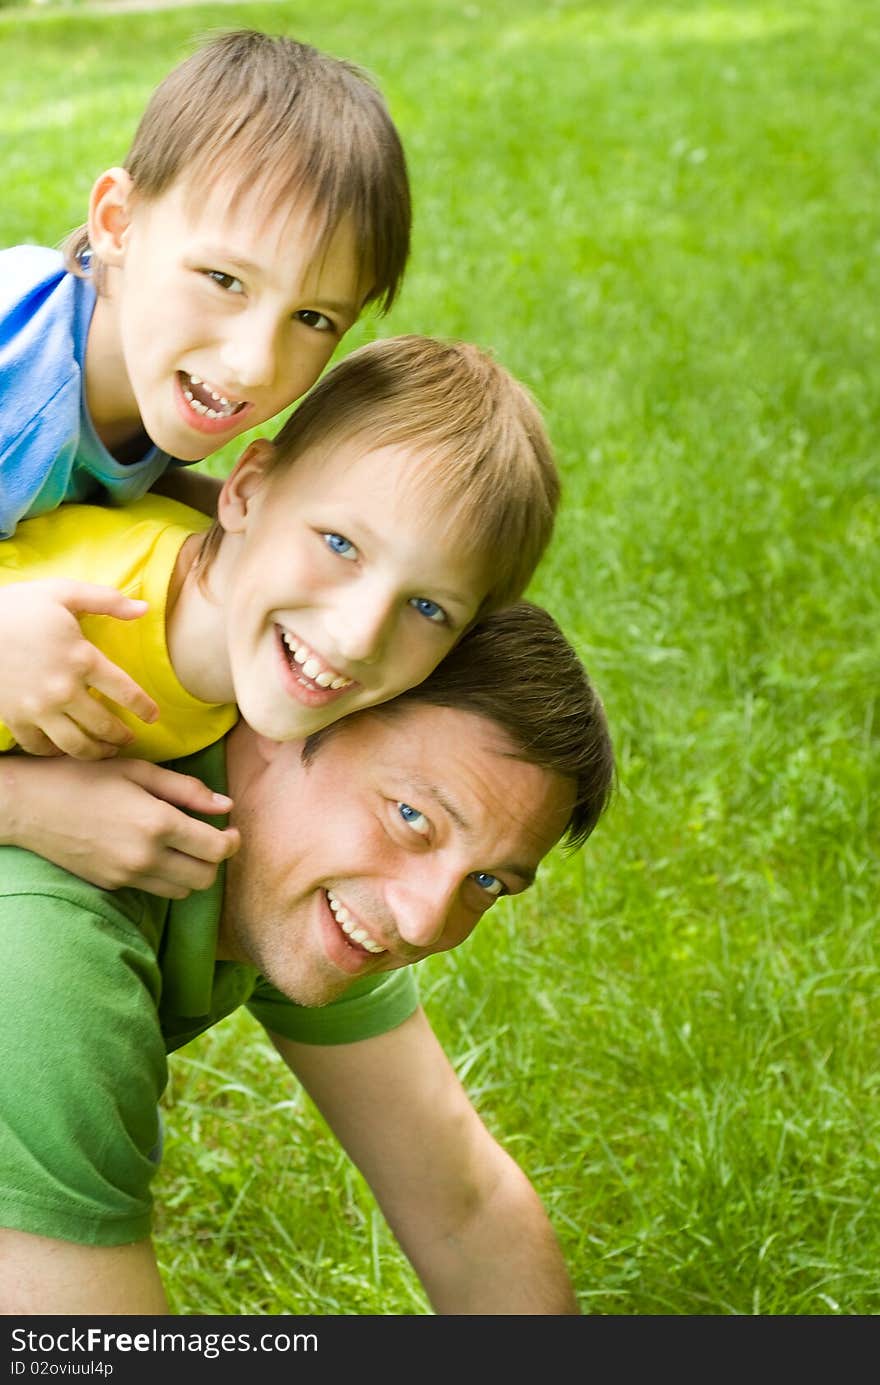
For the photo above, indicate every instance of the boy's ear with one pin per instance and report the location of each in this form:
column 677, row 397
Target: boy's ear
column 243, row 483
column 110, row 214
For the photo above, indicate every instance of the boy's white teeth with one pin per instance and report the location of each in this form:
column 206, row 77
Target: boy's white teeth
column 221, row 408
column 350, row 928
column 312, row 667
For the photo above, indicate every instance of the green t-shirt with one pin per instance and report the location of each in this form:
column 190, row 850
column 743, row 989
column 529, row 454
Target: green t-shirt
column 96, row 988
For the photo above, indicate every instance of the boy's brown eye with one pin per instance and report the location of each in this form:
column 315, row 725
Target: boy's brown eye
column 224, row 281
column 312, row 318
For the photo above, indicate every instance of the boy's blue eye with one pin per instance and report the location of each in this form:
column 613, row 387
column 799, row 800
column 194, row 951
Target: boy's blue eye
column 429, row 609
column 490, row 883
column 312, row 318
column 339, row 544
column 225, row 281
column 413, row 818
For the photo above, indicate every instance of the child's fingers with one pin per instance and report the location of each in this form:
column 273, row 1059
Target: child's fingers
column 85, row 728
column 183, row 791
column 69, row 737
column 33, row 741
column 177, row 873
column 108, row 678
column 90, row 598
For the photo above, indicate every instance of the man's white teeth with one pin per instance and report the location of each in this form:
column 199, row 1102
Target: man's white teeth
column 225, row 407
column 350, row 928
column 324, row 677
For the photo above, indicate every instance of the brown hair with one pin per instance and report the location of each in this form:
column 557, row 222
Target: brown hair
column 517, row 670
column 293, row 125
column 485, row 464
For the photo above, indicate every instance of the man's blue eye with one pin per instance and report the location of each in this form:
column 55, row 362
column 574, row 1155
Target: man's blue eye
column 490, row 883
column 337, row 543
column 429, row 609
column 413, row 818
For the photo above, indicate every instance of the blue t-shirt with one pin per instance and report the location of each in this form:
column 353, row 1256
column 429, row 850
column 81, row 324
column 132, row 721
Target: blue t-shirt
column 49, row 450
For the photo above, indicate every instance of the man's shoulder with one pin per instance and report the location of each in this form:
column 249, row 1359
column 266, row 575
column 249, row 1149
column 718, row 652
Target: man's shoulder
column 67, row 915
column 209, row 765
column 84, row 1063
column 368, row 1008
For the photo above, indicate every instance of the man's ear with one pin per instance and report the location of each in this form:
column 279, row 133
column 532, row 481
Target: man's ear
column 243, row 485
column 110, row 215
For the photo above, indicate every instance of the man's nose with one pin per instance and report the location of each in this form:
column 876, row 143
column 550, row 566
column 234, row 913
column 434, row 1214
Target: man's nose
column 423, row 904
column 361, row 621
column 250, row 350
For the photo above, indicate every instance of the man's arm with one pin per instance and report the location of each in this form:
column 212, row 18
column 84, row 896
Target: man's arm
column 41, row 1276
column 465, row 1214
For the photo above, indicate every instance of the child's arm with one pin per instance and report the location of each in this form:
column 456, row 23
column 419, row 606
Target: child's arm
column 115, row 823
column 48, row 667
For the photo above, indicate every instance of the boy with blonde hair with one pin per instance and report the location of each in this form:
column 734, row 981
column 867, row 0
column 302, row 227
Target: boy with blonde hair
column 410, row 494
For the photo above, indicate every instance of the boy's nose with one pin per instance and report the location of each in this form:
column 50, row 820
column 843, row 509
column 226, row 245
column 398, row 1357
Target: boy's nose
column 362, row 622
column 248, row 354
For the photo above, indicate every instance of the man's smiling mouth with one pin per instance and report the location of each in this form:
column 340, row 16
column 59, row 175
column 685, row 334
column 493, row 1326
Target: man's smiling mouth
column 354, row 932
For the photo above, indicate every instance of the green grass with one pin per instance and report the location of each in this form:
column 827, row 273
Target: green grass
column 663, row 217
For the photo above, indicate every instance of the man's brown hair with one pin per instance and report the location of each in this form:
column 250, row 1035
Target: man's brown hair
column 288, row 125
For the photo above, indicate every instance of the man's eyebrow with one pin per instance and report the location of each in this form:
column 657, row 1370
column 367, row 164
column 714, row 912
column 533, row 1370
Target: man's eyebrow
column 431, row 791
column 527, row 874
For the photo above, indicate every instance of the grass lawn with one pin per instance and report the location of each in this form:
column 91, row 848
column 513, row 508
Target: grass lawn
column 664, row 218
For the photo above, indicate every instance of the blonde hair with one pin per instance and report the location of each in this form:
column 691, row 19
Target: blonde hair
column 292, row 125
column 478, row 438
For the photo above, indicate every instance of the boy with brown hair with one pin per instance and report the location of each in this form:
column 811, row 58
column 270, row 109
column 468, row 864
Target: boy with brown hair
column 263, row 203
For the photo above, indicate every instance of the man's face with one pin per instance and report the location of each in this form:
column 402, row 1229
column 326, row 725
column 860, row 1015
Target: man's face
column 216, row 318
column 389, row 846
column 342, row 583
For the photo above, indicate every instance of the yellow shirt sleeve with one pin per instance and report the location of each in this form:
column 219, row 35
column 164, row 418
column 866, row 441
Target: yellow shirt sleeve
column 133, row 548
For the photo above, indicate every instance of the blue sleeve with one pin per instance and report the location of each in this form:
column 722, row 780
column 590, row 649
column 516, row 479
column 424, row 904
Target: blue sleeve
column 40, row 385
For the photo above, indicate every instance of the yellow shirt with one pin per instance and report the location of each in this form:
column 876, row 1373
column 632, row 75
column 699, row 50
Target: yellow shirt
column 133, row 548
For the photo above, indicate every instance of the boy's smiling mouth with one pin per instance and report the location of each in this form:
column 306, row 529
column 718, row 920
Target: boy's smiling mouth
column 310, row 670
column 208, row 408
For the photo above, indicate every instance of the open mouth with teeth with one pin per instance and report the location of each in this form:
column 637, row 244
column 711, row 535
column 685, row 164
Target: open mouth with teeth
column 310, row 670
column 355, row 934
column 207, row 402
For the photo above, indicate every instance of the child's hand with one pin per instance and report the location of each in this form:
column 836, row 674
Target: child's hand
column 48, row 667
column 126, row 826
